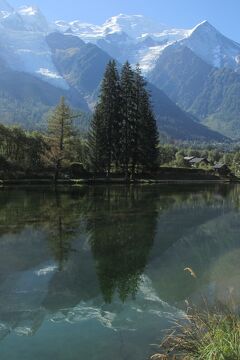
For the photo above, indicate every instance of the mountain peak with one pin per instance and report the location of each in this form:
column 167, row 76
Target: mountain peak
column 33, row 18
column 212, row 46
column 126, row 16
column 29, row 10
column 204, row 25
column 133, row 25
column 122, row 16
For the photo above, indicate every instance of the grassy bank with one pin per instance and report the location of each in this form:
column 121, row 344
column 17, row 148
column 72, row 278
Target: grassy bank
column 209, row 335
column 162, row 175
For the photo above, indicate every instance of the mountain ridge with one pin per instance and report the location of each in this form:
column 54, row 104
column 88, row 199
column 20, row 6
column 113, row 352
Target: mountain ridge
column 163, row 36
column 76, row 65
column 71, row 55
column 209, row 93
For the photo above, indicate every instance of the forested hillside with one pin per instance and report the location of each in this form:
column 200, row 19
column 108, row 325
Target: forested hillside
column 212, row 95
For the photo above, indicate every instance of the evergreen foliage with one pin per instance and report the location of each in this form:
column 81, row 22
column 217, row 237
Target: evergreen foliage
column 123, row 130
column 104, row 134
column 147, row 136
column 129, row 117
column 96, row 142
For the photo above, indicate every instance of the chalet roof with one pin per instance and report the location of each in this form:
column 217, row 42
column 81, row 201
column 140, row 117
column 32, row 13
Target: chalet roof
column 188, row 158
column 219, row 166
column 197, row 160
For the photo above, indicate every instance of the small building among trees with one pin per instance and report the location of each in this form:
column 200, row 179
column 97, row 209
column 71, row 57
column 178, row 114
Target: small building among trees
column 196, row 161
column 222, row 169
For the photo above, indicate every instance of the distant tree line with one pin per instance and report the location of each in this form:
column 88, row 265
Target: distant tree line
column 63, row 145
column 19, row 148
column 173, row 155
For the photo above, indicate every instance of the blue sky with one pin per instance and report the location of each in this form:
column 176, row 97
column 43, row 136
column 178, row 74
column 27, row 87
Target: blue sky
column 223, row 14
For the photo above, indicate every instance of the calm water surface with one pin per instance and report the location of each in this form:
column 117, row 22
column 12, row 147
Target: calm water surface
column 97, row 273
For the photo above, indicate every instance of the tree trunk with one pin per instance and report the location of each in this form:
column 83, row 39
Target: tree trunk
column 57, row 171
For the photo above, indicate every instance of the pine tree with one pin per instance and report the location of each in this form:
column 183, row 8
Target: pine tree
column 140, row 84
column 111, row 105
column 123, row 128
column 108, row 113
column 140, row 134
column 149, row 136
column 59, row 131
column 96, row 142
column 128, row 114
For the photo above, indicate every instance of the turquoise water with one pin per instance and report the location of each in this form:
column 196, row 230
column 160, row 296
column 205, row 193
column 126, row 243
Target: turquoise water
column 97, row 273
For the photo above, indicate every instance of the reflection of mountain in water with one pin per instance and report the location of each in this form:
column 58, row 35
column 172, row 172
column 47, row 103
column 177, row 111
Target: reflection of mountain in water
column 110, row 254
column 209, row 249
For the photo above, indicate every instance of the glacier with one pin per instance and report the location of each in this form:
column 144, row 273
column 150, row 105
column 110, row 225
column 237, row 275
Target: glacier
column 135, row 38
column 23, row 45
column 124, row 37
column 140, row 40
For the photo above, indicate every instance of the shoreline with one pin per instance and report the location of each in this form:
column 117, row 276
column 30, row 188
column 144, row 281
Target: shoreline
column 111, row 181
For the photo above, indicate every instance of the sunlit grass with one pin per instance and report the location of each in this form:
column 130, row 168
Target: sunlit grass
column 204, row 336
column 212, row 334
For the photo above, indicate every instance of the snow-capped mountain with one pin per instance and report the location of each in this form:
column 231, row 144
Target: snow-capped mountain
column 213, row 47
column 127, row 37
column 9, row 18
column 23, row 44
column 33, row 18
column 25, row 18
column 133, row 25
column 140, row 40
column 75, row 60
column 28, row 51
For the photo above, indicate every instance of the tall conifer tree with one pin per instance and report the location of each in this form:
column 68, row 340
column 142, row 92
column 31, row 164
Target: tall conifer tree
column 109, row 111
column 128, row 115
column 147, row 135
column 149, row 138
column 123, row 129
column 96, row 142
column 138, row 123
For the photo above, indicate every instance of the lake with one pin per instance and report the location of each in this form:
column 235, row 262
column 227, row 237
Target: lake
column 97, row 273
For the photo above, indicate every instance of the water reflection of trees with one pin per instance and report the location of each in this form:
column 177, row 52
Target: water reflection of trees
column 102, row 239
column 122, row 226
column 63, row 226
column 120, row 222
